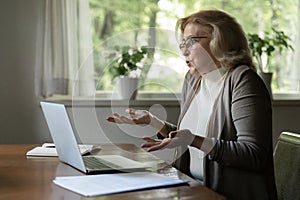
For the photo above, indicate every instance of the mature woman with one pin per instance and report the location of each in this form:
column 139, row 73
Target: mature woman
column 224, row 132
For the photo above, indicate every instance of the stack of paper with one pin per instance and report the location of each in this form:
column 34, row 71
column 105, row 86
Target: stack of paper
column 49, row 150
column 95, row 185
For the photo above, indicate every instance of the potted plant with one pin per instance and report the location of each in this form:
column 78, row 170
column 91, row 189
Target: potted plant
column 126, row 68
column 264, row 47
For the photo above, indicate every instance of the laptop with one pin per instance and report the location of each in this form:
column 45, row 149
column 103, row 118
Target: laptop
column 68, row 150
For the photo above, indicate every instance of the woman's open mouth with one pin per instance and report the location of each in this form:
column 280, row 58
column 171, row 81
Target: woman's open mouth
column 188, row 63
column 192, row 68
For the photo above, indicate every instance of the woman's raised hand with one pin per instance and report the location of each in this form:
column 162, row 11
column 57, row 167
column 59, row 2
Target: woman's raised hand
column 141, row 117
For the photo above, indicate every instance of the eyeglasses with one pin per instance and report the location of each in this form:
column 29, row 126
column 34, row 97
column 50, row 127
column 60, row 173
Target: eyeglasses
column 189, row 42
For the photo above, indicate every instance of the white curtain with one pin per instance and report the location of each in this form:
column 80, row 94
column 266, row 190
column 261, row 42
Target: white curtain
column 67, row 61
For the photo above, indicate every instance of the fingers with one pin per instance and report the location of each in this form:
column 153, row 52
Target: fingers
column 162, row 145
column 135, row 117
column 155, row 144
column 114, row 119
column 181, row 137
column 172, row 134
column 120, row 119
column 149, row 139
column 110, row 119
column 135, row 113
column 138, row 116
column 130, row 111
column 150, row 142
column 117, row 118
column 140, row 121
column 124, row 119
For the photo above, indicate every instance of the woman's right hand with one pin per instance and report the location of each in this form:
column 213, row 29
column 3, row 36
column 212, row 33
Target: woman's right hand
column 141, row 117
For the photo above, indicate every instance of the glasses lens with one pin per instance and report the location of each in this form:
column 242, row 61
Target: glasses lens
column 181, row 46
column 188, row 43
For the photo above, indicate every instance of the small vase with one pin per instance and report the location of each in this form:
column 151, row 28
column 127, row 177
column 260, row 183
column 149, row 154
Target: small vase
column 267, row 79
column 126, row 87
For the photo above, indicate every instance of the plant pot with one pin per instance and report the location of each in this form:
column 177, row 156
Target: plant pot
column 267, row 79
column 126, row 88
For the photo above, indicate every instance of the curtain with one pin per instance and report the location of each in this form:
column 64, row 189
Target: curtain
column 66, row 65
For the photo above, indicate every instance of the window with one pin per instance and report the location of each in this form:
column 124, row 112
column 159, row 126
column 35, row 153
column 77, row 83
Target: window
column 127, row 22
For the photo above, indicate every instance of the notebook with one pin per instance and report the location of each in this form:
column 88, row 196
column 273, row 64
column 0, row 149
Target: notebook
column 49, row 150
column 68, row 151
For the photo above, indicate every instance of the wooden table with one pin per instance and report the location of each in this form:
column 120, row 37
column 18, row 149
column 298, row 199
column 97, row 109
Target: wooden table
column 31, row 178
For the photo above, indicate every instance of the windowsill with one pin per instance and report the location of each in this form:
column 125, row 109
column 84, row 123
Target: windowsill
column 286, row 96
column 104, row 99
column 286, row 99
column 149, row 99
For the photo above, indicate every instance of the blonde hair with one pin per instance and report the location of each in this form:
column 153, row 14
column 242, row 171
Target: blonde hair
column 228, row 43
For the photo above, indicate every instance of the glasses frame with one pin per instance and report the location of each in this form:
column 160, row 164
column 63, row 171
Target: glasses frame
column 189, row 42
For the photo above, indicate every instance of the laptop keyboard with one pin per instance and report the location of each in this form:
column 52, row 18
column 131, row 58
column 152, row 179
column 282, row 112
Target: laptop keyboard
column 97, row 163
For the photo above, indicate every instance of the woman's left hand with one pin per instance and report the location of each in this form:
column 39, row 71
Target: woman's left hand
column 176, row 138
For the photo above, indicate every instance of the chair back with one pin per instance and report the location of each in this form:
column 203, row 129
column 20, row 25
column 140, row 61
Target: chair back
column 287, row 166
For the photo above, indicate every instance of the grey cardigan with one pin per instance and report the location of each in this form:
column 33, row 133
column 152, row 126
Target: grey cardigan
column 240, row 166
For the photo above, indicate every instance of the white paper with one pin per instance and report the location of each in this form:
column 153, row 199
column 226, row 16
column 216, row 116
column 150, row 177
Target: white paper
column 49, row 150
column 42, row 151
column 96, row 185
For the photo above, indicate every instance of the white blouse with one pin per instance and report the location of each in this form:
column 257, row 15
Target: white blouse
column 197, row 116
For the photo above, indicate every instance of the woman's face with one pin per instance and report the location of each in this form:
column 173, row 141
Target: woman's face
column 195, row 48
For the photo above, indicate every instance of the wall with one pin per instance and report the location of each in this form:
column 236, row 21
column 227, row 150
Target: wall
column 19, row 113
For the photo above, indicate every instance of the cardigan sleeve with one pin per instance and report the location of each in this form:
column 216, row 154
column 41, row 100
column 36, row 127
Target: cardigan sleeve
column 170, row 127
column 247, row 142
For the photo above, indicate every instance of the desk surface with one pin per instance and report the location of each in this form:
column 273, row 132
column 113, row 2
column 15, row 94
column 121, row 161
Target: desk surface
column 31, row 178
